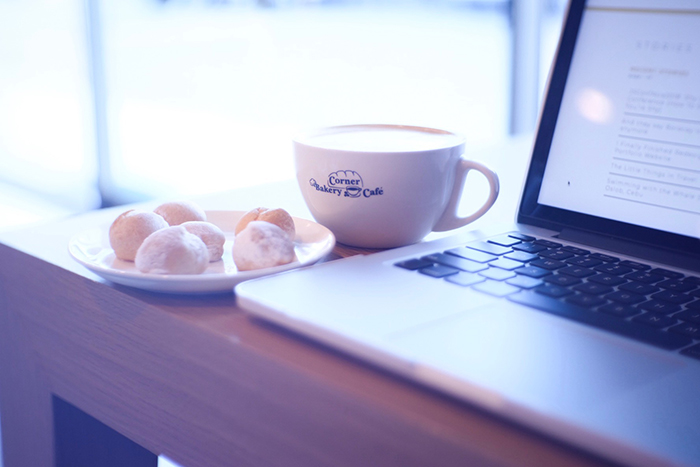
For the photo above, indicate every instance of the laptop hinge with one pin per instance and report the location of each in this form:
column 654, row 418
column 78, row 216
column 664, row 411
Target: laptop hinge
column 627, row 247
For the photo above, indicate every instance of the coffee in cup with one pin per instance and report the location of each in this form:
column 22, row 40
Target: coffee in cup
column 384, row 186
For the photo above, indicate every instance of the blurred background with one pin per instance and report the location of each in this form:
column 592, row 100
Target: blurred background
column 105, row 102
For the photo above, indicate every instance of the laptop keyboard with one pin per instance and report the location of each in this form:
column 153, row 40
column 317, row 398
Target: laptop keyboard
column 653, row 305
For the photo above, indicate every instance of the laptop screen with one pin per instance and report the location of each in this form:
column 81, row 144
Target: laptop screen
column 618, row 150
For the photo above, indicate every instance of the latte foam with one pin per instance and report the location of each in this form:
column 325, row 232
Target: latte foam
column 382, row 138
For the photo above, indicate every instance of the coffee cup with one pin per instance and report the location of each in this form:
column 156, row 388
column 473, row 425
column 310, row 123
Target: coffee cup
column 384, row 186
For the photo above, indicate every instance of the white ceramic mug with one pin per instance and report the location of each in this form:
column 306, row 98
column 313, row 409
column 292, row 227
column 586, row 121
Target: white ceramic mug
column 383, row 186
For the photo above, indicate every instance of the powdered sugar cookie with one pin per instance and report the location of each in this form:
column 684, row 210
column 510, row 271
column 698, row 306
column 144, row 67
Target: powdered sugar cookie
column 172, row 250
column 262, row 245
column 130, row 229
column 212, row 236
column 278, row 216
column 178, row 212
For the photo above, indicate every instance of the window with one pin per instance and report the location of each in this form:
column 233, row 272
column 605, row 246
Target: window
column 200, row 96
column 46, row 123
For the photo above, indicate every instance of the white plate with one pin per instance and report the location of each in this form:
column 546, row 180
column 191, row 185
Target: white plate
column 91, row 249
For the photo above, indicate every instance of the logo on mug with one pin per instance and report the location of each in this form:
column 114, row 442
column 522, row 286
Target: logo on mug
column 347, row 183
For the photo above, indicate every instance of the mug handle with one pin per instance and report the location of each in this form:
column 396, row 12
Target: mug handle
column 449, row 219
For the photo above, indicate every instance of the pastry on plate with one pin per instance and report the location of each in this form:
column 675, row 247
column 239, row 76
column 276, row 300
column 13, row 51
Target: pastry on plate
column 130, row 229
column 277, row 216
column 178, row 212
column 262, row 245
column 172, row 250
column 212, row 236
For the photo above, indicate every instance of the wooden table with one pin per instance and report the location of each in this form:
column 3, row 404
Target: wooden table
column 93, row 373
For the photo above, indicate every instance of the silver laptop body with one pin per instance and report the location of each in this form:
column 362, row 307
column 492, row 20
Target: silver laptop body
column 593, row 339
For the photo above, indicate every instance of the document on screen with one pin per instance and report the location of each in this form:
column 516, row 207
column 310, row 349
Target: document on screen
column 631, row 117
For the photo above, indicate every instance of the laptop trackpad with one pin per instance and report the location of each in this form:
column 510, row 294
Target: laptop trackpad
column 534, row 358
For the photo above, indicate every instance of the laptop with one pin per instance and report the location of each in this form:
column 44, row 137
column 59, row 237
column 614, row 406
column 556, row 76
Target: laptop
column 582, row 319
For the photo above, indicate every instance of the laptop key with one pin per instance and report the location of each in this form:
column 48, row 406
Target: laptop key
column 672, row 297
column 657, row 306
column 522, row 237
column 487, row 247
column 644, row 276
column 551, row 290
column 639, row 288
column 692, row 316
column 556, row 254
column 655, row 320
column 676, row 285
column 533, row 271
column 584, row 262
column 550, row 264
column 576, row 271
column 455, row 262
column 524, row 282
column 627, row 298
column 562, row 280
column 496, row 288
column 548, row 243
column 666, row 273
column 438, row 271
column 465, row 279
column 593, row 288
column 692, row 280
column 635, row 265
column 689, row 329
column 614, row 269
column 468, row 253
column 604, row 258
column 521, row 256
column 576, row 251
column 619, row 309
column 505, row 263
column 607, row 279
column 414, row 264
column 504, row 240
column 497, row 274
column 529, row 247
column 602, row 321
column 585, row 300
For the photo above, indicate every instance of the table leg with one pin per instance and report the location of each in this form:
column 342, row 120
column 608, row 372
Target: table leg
column 25, row 398
column 84, row 441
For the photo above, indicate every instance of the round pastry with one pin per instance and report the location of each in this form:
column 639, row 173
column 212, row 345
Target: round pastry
column 212, row 236
column 172, row 250
column 278, row 216
column 177, row 212
column 130, row 229
column 262, row 245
